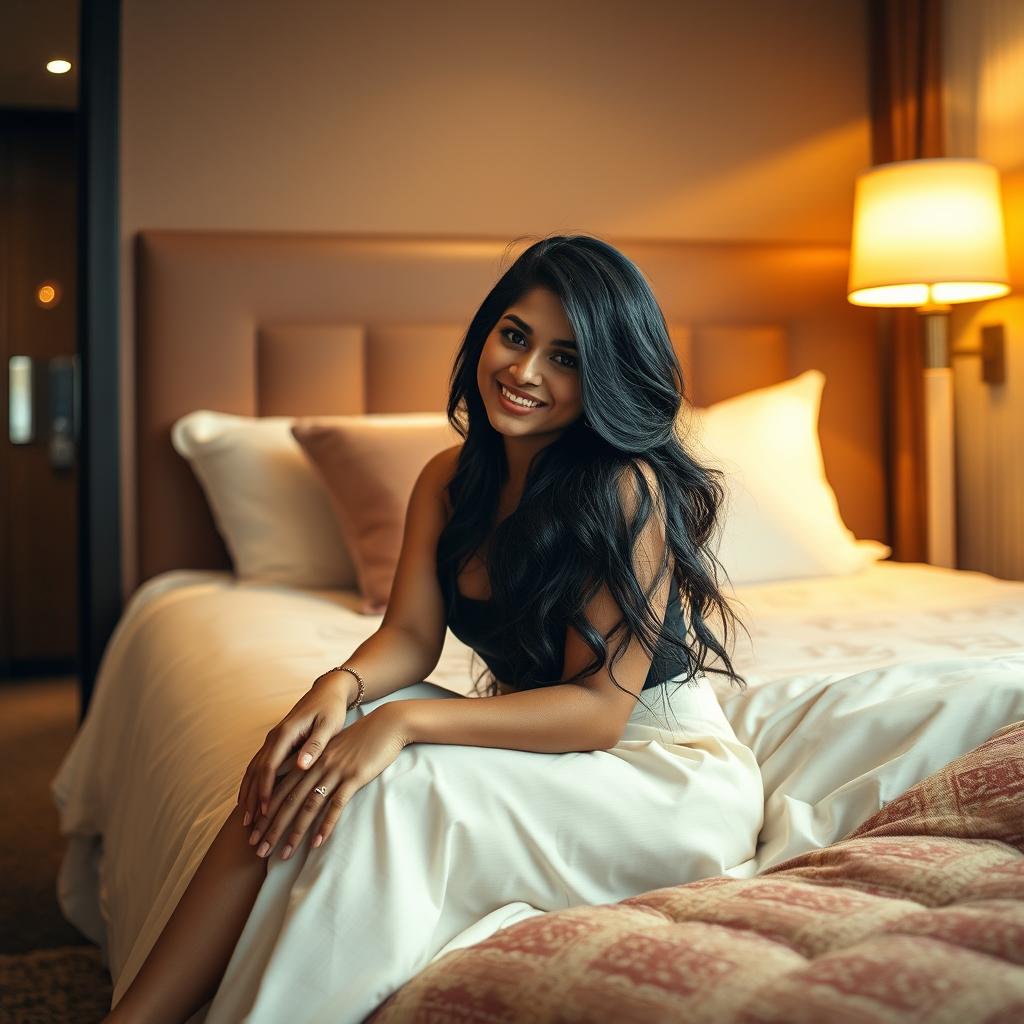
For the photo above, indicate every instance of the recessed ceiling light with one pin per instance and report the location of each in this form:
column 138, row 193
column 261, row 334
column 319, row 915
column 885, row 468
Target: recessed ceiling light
column 58, row 67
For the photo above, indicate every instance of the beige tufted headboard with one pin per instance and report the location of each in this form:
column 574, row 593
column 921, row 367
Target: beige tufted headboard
column 288, row 324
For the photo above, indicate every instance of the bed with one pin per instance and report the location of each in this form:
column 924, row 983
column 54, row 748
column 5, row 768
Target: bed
column 864, row 686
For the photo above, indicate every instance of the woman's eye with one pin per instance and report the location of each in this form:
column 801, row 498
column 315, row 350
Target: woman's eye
column 509, row 331
column 570, row 365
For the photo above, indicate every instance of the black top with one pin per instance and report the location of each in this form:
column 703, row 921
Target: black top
column 471, row 620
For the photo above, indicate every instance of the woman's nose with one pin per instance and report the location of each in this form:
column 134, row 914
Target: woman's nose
column 525, row 371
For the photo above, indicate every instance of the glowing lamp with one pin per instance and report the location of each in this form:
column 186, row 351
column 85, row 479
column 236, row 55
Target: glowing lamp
column 929, row 233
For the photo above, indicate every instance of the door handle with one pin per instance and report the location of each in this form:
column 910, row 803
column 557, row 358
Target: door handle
column 63, row 410
column 20, row 407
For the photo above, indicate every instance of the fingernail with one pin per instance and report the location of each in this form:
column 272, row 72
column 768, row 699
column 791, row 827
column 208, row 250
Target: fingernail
column 318, row 840
column 255, row 837
column 305, row 760
column 262, row 851
column 286, row 852
column 246, row 819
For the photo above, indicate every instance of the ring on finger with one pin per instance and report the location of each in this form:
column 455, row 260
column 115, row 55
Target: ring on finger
column 322, row 790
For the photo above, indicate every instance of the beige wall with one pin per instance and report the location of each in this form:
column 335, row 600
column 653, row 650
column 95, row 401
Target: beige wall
column 734, row 119
column 984, row 77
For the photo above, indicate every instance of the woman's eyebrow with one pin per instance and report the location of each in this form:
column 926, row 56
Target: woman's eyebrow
column 529, row 330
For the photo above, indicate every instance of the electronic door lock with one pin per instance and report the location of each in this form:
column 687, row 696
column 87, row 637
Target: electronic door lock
column 62, row 387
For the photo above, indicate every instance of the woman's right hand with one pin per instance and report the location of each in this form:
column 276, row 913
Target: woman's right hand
column 318, row 715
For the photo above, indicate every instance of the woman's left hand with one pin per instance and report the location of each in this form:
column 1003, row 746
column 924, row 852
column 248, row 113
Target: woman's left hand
column 350, row 759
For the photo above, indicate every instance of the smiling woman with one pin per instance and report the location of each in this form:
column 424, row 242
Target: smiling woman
column 570, row 381
column 561, row 540
column 526, row 374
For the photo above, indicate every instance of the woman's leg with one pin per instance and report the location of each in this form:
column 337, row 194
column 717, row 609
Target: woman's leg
column 184, row 967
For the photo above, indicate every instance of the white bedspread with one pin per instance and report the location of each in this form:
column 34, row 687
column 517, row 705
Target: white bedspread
column 860, row 686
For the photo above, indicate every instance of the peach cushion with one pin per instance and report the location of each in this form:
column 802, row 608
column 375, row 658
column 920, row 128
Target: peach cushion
column 369, row 465
column 916, row 915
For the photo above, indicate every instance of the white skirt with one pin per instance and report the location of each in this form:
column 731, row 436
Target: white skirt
column 451, row 843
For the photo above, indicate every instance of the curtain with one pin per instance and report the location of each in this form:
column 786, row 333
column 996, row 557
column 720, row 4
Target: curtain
column 905, row 89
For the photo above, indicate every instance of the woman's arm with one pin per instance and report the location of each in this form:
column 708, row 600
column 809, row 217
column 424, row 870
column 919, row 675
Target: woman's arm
column 552, row 719
column 588, row 715
column 388, row 660
column 404, row 650
column 408, row 643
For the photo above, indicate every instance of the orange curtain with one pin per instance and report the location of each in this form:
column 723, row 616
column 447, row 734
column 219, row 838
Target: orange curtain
column 905, row 75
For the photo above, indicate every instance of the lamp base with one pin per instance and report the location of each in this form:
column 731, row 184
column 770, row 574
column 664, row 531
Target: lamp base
column 939, row 437
column 941, row 483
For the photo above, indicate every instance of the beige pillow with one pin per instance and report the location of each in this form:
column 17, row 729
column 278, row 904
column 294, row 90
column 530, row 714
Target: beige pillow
column 369, row 465
column 782, row 519
column 266, row 500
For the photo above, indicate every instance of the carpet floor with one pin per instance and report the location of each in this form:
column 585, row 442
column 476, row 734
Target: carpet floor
column 67, row 985
column 49, row 971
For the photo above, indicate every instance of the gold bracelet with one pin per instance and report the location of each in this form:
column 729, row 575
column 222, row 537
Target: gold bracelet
column 359, row 678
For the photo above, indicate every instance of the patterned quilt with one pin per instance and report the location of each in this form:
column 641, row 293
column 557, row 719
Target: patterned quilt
column 916, row 915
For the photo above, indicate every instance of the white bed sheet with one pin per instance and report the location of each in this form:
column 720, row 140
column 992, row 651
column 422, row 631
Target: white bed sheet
column 860, row 686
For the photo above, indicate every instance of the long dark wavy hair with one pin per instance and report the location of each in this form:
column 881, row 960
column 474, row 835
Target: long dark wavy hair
column 570, row 519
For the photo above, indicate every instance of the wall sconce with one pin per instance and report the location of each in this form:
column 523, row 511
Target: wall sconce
column 929, row 234
column 992, row 349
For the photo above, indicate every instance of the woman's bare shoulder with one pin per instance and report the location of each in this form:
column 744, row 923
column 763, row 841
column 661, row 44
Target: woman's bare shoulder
column 451, row 455
column 446, row 462
column 442, row 468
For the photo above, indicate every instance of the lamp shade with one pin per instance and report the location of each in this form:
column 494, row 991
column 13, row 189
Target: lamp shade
column 927, row 231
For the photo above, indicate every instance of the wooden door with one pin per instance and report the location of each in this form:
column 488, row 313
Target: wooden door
column 39, row 453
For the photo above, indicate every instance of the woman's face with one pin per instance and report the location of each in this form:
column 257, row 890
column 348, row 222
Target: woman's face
column 532, row 350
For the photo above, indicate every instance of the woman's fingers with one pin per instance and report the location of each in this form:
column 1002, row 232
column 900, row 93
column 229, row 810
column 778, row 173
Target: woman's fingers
column 324, row 728
column 311, row 807
column 254, row 772
column 243, row 800
column 279, row 744
column 310, row 725
column 263, row 820
column 313, row 747
column 245, row 793
column 288, row 801
column 316, row 731
column 336, row 802
column 250, row 802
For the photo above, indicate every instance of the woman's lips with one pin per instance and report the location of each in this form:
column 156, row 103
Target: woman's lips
column 518, row 410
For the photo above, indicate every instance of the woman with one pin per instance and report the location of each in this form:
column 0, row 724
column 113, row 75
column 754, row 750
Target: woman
column 561, row 541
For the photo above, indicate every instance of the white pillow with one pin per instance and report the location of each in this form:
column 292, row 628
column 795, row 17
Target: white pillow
column 266, row 500
column 782, row 518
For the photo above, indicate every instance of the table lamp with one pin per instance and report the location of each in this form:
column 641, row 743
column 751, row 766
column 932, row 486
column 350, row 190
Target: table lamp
column 928, row 234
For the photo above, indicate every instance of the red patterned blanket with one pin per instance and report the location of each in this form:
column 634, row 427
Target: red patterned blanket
column 917, row 915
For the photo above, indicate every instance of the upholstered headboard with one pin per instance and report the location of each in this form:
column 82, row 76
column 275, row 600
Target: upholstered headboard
column 289, row 324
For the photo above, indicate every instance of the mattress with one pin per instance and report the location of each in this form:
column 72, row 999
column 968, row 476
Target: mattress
column 859, row 687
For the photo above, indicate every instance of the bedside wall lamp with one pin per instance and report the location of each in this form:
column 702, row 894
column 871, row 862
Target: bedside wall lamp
column 928, row 234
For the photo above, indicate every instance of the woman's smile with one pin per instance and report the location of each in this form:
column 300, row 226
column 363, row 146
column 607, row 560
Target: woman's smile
column 530, row 352
column 513, row 407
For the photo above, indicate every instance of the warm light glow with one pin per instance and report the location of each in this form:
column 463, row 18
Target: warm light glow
column 58, row 67
column 928, row 231
column 48, row 294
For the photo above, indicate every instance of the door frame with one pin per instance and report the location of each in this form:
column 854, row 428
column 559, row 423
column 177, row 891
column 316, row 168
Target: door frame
column 98, row 319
